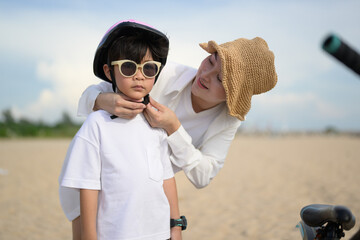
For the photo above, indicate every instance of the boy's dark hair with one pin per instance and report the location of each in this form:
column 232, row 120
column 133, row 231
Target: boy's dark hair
column 134, row 45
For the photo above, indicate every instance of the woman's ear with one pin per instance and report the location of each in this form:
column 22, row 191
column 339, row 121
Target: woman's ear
column 107, row 71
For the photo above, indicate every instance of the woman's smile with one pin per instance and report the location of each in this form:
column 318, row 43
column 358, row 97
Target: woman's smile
column 201, row 84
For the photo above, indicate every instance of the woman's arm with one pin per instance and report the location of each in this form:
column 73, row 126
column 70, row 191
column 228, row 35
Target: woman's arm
column 88, row 213
column 101, row 96
column 199, row 164
column 171, row 194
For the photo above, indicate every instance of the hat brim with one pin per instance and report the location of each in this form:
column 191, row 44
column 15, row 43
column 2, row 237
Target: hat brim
column 212, row 47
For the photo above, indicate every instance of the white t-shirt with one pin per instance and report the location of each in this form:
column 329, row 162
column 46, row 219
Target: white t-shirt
column 127, row 161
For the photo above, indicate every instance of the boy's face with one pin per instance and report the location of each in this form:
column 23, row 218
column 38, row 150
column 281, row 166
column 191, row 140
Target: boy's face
column 137, row 86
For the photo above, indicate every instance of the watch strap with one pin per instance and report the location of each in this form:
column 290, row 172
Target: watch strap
column 181, row 222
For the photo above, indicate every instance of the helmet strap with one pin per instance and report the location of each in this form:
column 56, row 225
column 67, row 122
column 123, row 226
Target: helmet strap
column 146, row 100
column 113, row 81
column 112, row 76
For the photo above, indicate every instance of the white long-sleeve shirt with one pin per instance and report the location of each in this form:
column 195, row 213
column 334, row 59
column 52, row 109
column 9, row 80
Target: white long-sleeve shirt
column 202, row 161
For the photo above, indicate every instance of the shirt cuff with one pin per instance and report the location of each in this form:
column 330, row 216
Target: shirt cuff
column 81, row 184
column 86, row 105
column 179, row 136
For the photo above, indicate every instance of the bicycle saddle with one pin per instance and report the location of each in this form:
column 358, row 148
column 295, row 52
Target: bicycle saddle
column 315, row 215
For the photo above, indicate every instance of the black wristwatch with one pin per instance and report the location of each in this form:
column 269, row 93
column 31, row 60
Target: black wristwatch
column 181, row 222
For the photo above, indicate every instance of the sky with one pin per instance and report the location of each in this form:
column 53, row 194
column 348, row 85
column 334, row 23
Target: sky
column 47, row 48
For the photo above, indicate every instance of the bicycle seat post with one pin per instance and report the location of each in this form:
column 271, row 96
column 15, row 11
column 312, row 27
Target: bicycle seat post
column 332, row 231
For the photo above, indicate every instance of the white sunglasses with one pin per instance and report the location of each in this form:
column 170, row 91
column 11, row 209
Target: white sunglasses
column 129, row 68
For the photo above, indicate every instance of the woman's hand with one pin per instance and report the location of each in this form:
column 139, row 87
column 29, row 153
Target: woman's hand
column 160, row 116
column 118, row 105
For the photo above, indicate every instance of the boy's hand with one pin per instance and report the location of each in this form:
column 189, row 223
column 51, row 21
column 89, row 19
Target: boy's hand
column 118, row 105
column 176, row 233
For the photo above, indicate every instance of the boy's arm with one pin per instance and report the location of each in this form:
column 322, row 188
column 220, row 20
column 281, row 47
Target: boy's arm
column 88, row 213
column 171, row 194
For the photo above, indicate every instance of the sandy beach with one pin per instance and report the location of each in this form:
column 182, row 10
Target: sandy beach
column 258, row 194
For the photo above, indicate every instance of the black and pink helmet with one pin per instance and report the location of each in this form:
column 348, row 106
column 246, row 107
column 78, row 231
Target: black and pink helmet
column 120, row 29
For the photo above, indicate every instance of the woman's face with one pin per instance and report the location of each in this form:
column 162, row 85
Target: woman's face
column 207, row 88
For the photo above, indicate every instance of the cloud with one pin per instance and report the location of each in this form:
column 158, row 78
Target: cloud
column 303, row 101
column 62, row 49
column 295, row 111
column 68, row 80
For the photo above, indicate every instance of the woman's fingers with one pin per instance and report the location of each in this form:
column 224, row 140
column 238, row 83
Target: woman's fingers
column 148, row 118
column 128, row 113
column 119, row 105
column 124, row 108
column 151, row 114
column 161, row 117
column 125, row 102
column 155, row 104
column 130, row 105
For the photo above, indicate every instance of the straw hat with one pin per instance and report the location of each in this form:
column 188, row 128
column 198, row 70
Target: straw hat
column 247, row 69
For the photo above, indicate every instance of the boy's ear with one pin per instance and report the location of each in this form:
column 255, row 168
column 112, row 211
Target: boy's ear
column 107, row 71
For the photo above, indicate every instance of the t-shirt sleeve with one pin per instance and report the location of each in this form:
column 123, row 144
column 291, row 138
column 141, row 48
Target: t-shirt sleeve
column 82, row 166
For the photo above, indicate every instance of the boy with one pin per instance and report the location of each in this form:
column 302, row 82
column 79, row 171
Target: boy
column 121, row 167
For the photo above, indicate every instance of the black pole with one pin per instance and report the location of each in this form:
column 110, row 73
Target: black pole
column 343, row 52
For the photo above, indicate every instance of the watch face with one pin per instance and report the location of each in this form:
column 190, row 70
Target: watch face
column 182, row 222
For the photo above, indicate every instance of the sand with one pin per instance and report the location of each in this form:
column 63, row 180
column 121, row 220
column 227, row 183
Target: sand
column 258, row 194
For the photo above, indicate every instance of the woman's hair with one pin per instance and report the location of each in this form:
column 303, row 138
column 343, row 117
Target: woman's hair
column 134, row 45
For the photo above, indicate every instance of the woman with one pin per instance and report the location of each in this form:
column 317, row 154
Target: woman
column 202, row 109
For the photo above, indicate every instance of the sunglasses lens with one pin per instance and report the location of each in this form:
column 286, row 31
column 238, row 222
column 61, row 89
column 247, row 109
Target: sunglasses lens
column 128, row 68
column 150, row 70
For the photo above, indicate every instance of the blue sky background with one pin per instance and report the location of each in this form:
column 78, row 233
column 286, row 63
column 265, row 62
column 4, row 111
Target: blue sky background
column 47, row 48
